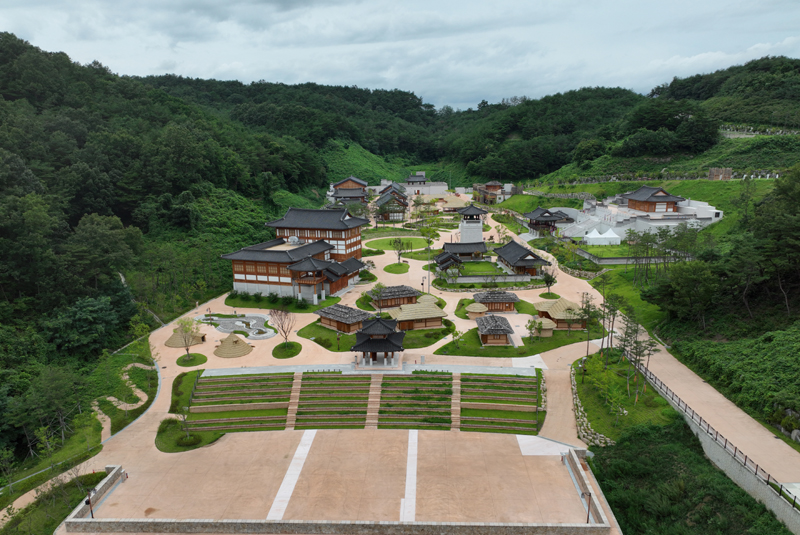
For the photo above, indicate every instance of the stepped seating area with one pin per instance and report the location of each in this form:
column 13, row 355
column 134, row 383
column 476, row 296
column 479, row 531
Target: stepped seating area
column 500, row 403
column 417, row 401
column 240, row 403
column 332, row 401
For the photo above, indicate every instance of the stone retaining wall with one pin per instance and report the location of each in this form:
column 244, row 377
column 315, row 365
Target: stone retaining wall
column 114, row 473
column 585, row 431
column 582, row 480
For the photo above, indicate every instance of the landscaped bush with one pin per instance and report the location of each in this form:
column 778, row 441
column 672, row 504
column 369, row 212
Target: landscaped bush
column 244, row 296
column 366, row 276
column 234, row 293
column 324, row 342
column 273, row 297
column 302, row 304
column 257, row 297
column 287, row 300
column 177, row 392
column 191, row 440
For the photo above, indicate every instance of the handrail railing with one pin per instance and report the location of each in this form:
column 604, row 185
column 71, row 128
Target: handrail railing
column 761, row 475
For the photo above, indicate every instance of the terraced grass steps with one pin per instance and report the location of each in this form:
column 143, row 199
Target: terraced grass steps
column 455, row 404
column 294, row 400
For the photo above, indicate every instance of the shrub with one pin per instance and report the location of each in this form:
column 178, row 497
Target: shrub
column 244, row 296
column 176, row 392
column 191, row 440
column 258, row 297
column 302, row 304
column 273, row 297
column 324, row 342
column 287, row 300
column 234, row 294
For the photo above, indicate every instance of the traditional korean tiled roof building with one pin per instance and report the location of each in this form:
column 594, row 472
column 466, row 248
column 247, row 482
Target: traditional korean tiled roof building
column 342, row 318
column 652, row 199
column 378, row 336
column 494, row 330
column 391, row 207
column 466, row 250
column 418, row 316
column 544, row 220
column 394, row 296
column 520, row 260
column 497, row 300
column 471, row 226
column 336, row 226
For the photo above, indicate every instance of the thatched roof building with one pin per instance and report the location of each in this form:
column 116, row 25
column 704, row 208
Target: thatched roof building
column 232, row 347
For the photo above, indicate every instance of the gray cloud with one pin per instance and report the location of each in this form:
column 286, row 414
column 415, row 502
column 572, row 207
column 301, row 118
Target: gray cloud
column 447, row 51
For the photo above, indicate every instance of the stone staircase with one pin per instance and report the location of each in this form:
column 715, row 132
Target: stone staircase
column 374, row 405
column 294, row 400
column 455, row 404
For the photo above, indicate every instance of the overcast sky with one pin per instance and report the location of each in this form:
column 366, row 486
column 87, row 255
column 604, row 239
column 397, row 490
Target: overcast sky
column 447, row 52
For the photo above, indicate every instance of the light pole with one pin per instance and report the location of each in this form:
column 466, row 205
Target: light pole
column 588, row 496
column 423, row 284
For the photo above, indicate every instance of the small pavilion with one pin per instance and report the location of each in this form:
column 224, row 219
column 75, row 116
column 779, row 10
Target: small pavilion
column 494, row 330
column 342, row 318
column 563, row 312
column 497, row 300
column 378, row 336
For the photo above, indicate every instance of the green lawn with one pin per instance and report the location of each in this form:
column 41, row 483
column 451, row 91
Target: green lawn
column 425, row 337
column 510, row 223
column 192, row 359
column 371, row 252
column 480, row 268
column 470, row 345
column 549, row 295
column 651, row 408
column 396, row 269
column 200, row 416
column 287, row 351
column 364, row 303
column 444, row 285
column 238, row 302
column 486, row 413
column 461, row 311
column 528, row 203
column 327, row 337
column 523, row 307
column 169, row 431
column 422, row 255
column 605, row 251
column 621, row 283
column 385, row 244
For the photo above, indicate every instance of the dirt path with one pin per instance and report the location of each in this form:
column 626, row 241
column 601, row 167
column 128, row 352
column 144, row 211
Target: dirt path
column 121, row 405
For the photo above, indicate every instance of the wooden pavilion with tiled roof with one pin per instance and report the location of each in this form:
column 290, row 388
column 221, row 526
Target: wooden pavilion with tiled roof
column 466, row 251
column 497, row 300
column 394, row 296
column 563, row 312
column 342, row 318
column 494, row 330
column 520, row 260
column 652, row 199
column 378, row 336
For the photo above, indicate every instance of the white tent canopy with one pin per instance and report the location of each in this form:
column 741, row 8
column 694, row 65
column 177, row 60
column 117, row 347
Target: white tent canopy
column 606, row 238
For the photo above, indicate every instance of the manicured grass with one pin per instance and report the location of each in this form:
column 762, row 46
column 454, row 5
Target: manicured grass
column 443, row 284
column 367, row 276
column 523, row 307
column 287, row 351
column 511, row 415
column 371, row 252
column 199, row 416
column 396, row 269
column 461, row 308
column 528, row 203
column 480, row 268
column 238, row 302
column 192, row 359
column 364, row 303
column 169, row 431
column 327, row 337
column 470, row 345
column 422, row 255
column 425, row 337
column 182, row 390
column 51, row 508
column 385, row 244
column 120, row 418
column 606, row 251
column 550, row 295
column 651, row 408
column 510, row 223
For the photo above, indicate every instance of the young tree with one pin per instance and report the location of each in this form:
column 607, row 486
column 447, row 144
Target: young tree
column 283, row 321
column 399, row 247
column 603, row 279
column 7, row 466
column 548, row 278
column 453, row 272
column 612, row 304
column 457, row 337
column 377, row 295
column 188, row 330
column 531, row 327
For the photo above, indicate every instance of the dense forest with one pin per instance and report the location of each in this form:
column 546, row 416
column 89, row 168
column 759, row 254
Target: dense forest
column 119, row 193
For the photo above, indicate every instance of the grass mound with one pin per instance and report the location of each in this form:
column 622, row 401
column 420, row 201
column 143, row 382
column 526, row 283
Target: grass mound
column 396, row 269
column 287, row 351
column 192, row 359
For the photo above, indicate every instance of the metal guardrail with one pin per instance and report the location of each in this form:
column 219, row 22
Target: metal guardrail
column 761, row 475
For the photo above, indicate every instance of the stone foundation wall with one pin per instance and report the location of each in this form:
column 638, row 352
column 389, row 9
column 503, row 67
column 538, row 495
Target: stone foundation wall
column 585, row 431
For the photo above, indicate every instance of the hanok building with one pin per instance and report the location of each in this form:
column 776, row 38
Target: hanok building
column 652, row 199
column 497, row 301
column 466, row 251
column 342, row 318
column 563, row 312
column 490, row 193
column 395, row 190
column 351, row 189
column 471, row 226
column 336, row 226
column 394, row 296
column 423, row 315
column 445, row 261
column 288, row 268
column 391, row 207
column 520, row 260
column 544, row 220
column 494, row 330
column 378, row 336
